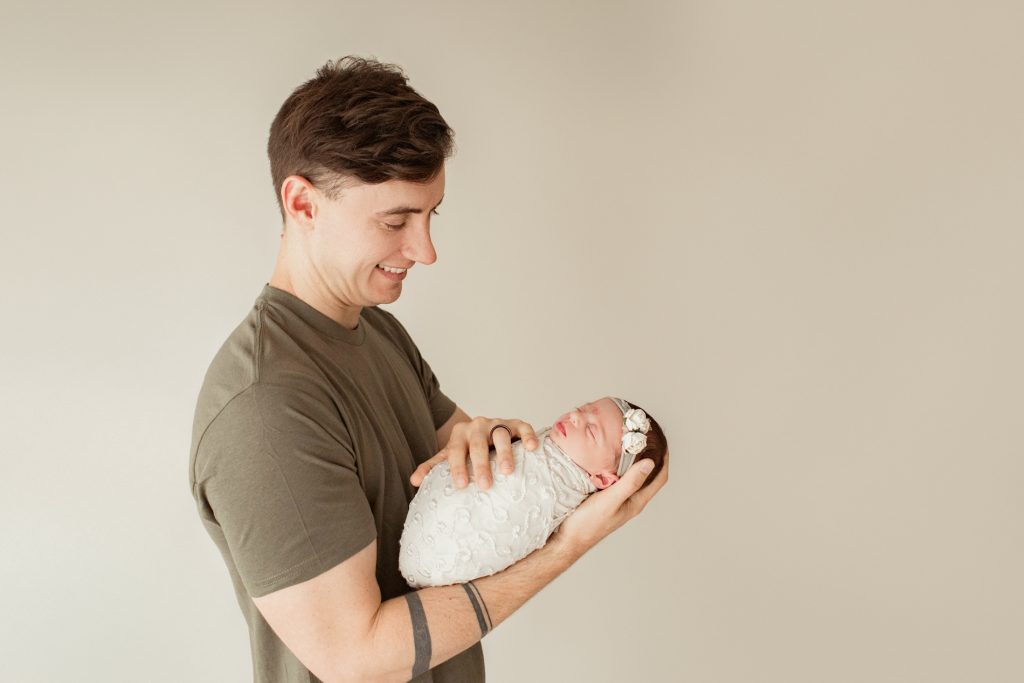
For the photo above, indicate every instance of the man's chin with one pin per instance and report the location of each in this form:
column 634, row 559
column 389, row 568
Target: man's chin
column 390, row 295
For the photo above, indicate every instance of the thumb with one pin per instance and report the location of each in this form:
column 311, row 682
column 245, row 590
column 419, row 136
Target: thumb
column 639, row 471
column 634, row 477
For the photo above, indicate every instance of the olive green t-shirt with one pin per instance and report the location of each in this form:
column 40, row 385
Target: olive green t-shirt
column 305, row 435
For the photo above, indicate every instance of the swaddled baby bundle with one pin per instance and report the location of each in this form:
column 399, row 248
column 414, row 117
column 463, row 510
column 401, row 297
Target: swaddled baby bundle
column 453, row 535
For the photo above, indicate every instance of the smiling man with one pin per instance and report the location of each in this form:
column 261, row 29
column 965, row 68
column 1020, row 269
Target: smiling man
column 318, row 415
column 341, row 256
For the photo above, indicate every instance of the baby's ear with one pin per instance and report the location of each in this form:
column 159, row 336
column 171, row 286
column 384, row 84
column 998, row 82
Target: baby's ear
column 603, row 480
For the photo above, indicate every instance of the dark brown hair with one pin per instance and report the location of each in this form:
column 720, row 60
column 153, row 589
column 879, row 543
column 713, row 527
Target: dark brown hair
column 358, row 118
column 657, row 446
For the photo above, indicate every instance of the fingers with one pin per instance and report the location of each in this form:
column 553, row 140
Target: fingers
column 628, row 487
column 480, row 456
column 473, row 439
column 605, row 511
column 502, row 440
column 468, row 438
column 503, row 447
column 416, row 478
column 455, row 453
column 526, row 434
column 635, row 477
column 640, row 498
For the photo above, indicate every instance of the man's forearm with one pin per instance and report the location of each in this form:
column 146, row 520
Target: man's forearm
column 420, row 630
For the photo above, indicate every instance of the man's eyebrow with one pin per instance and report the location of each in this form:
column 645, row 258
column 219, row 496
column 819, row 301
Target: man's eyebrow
column 406, row 209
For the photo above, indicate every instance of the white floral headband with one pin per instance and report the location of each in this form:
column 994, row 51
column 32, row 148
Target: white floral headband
column 635, row 425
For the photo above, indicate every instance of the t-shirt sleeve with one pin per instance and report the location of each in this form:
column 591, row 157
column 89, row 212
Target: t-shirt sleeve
column 441, row 407
column 281, row 482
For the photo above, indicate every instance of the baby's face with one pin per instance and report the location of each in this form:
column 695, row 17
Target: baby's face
column 592, row 436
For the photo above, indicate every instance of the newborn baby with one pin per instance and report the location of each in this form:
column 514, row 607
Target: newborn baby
column 454, row 535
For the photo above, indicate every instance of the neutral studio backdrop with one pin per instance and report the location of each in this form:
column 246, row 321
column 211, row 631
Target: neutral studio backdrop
column 792, row 231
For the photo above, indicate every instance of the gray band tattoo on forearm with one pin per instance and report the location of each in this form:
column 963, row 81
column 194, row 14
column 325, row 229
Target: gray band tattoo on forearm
column 483, row 617
column 420, row 634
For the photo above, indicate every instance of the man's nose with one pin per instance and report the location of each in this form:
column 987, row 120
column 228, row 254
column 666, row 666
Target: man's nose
column 420, row 247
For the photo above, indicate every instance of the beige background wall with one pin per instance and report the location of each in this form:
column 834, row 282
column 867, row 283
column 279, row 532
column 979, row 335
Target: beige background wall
column 791, row 230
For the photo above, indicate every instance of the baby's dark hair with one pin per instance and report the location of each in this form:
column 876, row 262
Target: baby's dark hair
column 657, row 446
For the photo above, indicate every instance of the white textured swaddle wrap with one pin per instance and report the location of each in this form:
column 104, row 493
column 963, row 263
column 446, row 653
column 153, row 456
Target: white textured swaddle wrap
column 454, row 535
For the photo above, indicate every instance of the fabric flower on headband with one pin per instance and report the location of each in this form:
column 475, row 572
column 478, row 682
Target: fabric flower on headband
column 635, row 426
column 636, row 421
column 633, row 442
column 634, row 438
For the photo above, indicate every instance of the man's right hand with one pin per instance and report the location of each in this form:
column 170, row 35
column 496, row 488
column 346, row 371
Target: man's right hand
column 605, row 511
column 470, row 442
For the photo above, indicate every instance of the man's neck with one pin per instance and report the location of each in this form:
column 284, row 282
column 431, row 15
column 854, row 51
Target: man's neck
column 313, row 293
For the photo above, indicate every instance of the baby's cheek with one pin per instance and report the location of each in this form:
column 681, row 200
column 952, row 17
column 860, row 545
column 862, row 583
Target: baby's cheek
column 610, row 461
column 598, row 460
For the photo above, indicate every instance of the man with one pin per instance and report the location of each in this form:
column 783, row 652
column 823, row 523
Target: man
column 318, row 415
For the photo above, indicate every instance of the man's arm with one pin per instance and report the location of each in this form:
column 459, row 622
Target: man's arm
column 340, row 630
column 338, row 627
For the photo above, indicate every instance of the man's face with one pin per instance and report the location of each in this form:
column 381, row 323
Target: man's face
column 369, row 226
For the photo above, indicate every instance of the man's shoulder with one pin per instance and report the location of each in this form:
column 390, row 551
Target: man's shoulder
column 231, row 370
column 254, row 366
column 239, row 426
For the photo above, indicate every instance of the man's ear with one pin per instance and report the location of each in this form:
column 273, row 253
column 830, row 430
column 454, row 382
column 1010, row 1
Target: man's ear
column 299, row 198
column 603, row 480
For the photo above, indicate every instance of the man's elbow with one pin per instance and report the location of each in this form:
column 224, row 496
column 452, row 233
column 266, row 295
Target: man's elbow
column 330, row 621
column 367, row 663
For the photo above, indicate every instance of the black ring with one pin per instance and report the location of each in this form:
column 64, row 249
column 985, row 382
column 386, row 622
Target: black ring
column 505, row 427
